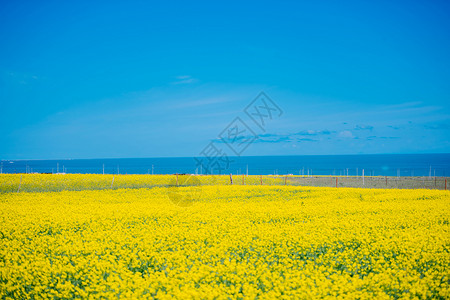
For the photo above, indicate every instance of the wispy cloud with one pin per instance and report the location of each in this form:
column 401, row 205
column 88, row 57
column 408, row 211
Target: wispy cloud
column 437, row 126
column 302, row 136
column 205, row 101
column 268, row 135
column 306, row 140
column 185, row 79
column 314, row 132
column 373, row 137
column 363, row 127
column 346, row 134
column 277, row 139
column 21, row 78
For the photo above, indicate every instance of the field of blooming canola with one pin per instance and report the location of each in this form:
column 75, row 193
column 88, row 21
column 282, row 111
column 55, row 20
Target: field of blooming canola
column 238, row 242
column 80, row 182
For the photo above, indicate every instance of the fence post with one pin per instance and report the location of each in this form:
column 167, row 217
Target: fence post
column 260, row 178
column 386, row 180
column 445, row 183
column 177, row 179
column 231, row 178
column 363, row 176
column 20, row 183
column 285, row 180
column 112, row 182
column 336, row 181
column 243, row 182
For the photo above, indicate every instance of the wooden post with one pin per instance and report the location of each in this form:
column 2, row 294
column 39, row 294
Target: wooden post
column 285, row 180
column 363, row 176
column 261, row 178
column 445, row 183
column 434, row 181
column 20, row 183
column 177, row 179
column 336, row 181
column 112, row 182
column 243, row 176
column 231, row 178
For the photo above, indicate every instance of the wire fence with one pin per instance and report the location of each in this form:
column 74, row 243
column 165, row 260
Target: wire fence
column 10, row 183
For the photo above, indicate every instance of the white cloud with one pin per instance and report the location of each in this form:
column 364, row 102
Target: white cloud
column 22, row 78
column 185, row 79
column 206, row 101
column 346, row 134
column 363, row 127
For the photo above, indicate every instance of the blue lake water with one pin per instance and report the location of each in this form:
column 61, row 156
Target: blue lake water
column 377, row 164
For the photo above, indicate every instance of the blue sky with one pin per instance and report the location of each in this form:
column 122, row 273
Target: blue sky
column 151, row 79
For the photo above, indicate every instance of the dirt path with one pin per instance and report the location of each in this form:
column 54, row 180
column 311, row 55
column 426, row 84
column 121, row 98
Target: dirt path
column 373, row 182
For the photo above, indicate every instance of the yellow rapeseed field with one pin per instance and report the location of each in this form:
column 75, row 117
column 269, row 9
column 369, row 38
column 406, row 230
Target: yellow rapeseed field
column 233, row 241
column 78, row 182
